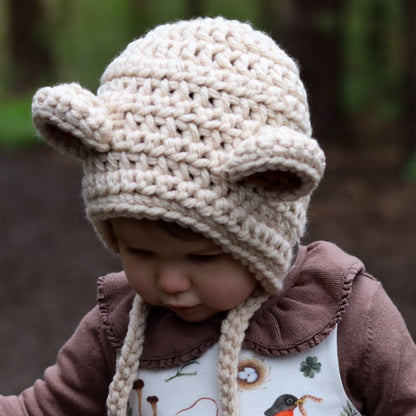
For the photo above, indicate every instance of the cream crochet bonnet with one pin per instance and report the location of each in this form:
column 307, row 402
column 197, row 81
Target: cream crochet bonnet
column 204, row 123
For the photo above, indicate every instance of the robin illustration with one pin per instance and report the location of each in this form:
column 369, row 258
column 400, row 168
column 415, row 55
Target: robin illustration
column 285, row 404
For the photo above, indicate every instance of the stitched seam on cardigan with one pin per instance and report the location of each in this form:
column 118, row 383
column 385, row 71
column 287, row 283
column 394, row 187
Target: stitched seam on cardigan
column 367, row 372
column 105, row 311
column 103, row 339
column 393, row 390
column 390, row 410
column 367, row 351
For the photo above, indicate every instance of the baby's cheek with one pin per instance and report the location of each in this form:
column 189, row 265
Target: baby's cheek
column 139, row 283
column 230, row 292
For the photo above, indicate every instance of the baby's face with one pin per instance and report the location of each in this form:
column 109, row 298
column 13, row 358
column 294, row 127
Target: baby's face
column 192, row 277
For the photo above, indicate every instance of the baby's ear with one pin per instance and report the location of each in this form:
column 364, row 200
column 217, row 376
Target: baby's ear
column 278, row 159
column 72, row 119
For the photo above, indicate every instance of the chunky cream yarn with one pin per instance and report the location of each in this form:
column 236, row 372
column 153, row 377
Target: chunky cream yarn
column 182, row 119
column 204, row 123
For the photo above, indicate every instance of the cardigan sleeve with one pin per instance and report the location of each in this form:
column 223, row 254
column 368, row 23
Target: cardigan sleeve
column 377, row 353
column 77, row 383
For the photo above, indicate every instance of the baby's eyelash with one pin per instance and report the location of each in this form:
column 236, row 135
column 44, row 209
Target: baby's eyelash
column 203, row 257
column 140, row 252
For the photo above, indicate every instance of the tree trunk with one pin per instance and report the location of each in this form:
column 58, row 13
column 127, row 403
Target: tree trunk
column 311, row 32
column 30, row 56
column 409, row 84
column 195, row 8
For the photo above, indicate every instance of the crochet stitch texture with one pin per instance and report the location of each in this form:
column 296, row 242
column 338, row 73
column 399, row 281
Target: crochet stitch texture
column 182, row 118
column 204, row 123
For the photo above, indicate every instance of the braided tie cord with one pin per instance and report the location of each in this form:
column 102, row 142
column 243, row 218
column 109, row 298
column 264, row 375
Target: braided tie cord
column 128, row 362
column 232, row 335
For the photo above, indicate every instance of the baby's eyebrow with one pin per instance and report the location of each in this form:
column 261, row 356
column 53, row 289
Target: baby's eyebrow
column 208, row 251
column 202, row 246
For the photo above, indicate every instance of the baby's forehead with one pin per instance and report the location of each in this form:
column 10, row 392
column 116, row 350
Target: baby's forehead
column 152, row 228
column 176, row 230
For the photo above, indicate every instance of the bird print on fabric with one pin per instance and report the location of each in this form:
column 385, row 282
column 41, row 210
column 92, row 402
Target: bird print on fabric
column 285, row 405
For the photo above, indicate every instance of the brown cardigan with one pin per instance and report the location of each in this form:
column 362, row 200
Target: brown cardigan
column 325, row 287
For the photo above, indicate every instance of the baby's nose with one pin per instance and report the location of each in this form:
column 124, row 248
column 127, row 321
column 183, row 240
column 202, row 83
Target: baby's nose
column 173, row 279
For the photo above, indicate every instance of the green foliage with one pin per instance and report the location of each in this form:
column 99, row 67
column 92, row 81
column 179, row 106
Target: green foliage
column 245, row 10
column 84, row 38
column 409, row 174
column 152, row 13
column 373, row 58
column 349, row 410
column 4, row 56
column 16, row 129
column 85, row 35
column 326, row 21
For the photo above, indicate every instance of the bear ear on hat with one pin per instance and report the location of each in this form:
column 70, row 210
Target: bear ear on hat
column 278, row 159
column 72, row 119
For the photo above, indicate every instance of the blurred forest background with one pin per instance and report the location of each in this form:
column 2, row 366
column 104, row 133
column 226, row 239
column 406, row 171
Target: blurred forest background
column 358, row 63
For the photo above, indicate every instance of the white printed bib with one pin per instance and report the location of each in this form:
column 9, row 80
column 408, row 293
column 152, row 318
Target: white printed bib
column 303, row 384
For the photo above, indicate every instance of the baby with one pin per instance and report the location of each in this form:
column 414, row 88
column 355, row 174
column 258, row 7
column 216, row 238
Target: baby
column 198, row 169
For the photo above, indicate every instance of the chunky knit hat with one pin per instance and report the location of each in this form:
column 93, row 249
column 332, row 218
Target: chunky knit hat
column 204, row 123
